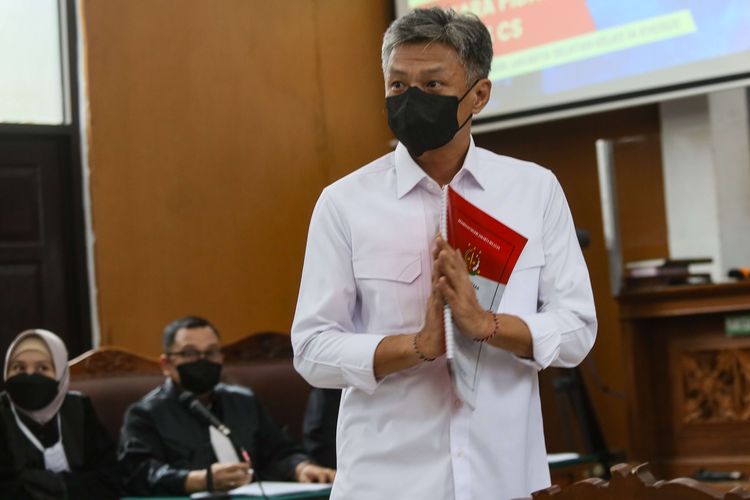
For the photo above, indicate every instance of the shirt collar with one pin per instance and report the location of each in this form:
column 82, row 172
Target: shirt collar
column 472, row 168
column 409, row 174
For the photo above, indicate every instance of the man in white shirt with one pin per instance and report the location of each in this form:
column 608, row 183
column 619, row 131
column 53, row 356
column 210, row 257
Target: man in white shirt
column 376, row 278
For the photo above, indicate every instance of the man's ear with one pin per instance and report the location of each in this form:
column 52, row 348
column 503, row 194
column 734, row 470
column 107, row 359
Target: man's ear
column 164, row 364
column 481, row 95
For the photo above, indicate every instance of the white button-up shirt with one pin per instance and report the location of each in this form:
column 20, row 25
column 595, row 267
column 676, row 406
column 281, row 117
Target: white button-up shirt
column 367, row 274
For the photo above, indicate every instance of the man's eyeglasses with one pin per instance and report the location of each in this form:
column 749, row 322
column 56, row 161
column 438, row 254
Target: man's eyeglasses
column 190, row 354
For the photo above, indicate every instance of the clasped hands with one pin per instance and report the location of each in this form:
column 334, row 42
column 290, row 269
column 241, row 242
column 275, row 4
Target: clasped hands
column 451, row 285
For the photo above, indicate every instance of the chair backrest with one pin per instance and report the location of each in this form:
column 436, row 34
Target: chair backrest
column 259, row 346
column 111, row 361
column 263, row 362
column 114, row 379
column 637, row 483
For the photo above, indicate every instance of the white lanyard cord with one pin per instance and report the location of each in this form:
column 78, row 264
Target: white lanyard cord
column 31, row 437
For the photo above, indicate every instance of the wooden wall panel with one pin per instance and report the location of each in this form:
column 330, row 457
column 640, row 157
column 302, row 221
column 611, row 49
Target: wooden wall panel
column 214, row 124
column 567, row 147
column 355, row 121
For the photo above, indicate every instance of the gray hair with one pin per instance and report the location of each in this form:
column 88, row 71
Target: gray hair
column 464, row 32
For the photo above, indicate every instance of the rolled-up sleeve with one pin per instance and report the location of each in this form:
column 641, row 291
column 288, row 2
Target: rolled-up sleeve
column 564, row 328
column 327, row 351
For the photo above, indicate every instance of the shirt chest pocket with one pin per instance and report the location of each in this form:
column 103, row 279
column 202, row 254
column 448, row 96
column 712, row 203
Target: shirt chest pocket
column 522, row 293
column 390, row 298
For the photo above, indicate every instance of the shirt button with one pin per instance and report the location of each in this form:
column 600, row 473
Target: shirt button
column 458, row 404
column 460, row 454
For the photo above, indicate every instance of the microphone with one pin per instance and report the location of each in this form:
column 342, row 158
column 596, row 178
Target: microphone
column 584, row 237
column 198, row 409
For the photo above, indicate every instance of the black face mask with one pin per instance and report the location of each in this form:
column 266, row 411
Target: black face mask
column 31, row 392
column 422, row 121
column 200, row 376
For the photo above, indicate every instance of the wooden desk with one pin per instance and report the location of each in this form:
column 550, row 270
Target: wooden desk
column 688, row 383
column 316, row 495
column 567, row 472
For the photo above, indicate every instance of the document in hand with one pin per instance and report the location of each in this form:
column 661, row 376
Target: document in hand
column 490, row 250
column 272, row 489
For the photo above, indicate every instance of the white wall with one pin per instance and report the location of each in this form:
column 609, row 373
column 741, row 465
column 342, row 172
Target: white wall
column 706, row 161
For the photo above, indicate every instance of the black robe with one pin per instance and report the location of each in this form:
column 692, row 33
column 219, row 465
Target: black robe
column 89, row 450
column 162, row 441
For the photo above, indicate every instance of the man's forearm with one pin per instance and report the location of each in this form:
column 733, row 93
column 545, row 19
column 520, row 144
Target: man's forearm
column 395, row 353
column 513, row 335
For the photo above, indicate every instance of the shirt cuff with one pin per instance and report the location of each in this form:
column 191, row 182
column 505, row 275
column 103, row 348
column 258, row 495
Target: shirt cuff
column 175, row 481
column 361, row 347
column 545, row 340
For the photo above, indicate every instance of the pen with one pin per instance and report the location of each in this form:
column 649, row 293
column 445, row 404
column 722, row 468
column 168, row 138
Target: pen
column 246, row 456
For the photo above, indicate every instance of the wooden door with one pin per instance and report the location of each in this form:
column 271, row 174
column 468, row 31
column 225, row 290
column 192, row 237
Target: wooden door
column 38, row 271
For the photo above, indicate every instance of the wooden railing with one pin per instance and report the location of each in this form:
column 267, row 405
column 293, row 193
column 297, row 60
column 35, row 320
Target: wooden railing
column 638, row 483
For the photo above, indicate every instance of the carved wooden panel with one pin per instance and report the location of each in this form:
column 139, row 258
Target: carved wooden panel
column 631, row 483
column 686, row 385
column 715, row 386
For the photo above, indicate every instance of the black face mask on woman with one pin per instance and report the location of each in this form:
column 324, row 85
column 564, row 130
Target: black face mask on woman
column 422, row 121
column 200, row 376
column 31, row 392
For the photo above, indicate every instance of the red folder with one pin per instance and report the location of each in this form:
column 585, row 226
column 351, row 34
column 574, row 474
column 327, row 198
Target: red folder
column 490, row 250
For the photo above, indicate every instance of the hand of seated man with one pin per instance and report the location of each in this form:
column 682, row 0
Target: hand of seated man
column 229, row 476
column 307, row 472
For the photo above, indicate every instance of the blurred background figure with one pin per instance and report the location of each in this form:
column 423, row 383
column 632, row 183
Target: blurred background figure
column 319, row 426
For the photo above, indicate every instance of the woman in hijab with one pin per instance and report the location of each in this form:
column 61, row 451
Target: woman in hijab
column 52, row 445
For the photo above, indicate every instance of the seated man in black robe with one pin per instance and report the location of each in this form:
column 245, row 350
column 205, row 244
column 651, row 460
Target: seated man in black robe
column 167, row 448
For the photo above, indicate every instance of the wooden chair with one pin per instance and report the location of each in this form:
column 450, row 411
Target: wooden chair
column 637, row 483
column 259, row 346
column 114, row 378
